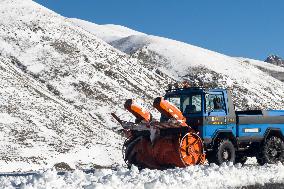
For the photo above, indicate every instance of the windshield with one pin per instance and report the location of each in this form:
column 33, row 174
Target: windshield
column 190, row 104
column 175, row 101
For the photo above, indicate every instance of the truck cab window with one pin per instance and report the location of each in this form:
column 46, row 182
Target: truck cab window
column 191, row 104
column 215, row 102
column 175, row 101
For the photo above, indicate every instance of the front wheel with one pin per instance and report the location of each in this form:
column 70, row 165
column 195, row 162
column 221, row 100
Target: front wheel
column 225, row 152
column 272, row 151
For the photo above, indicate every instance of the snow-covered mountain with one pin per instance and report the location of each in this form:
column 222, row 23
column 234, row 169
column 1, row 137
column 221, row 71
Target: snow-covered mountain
column 61, row 78
column 274, row 59
column 255, row 84
column 107, row 32
column 39, row 130
column 62, row 83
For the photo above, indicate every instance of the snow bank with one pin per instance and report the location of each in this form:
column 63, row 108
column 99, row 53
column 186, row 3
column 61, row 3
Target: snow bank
column 208, row 176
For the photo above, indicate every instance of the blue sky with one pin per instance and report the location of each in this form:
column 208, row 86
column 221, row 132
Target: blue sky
column 247, row 28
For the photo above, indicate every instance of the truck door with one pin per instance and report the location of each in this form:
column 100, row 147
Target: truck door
column 216, row 114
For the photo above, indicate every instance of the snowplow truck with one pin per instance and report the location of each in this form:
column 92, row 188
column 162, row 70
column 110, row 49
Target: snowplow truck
column 198, row 124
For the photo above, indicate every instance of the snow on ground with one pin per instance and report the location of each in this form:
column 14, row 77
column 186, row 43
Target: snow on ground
column 38, row 130
column 202, row 176
column 7, row 119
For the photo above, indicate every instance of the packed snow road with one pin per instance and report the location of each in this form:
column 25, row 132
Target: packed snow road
column 203, row 176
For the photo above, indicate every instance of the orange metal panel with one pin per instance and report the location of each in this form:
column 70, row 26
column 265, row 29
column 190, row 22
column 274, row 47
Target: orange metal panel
column 138, row 111
column 170, row 110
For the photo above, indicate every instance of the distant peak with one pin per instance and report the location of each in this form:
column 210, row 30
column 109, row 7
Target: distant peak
column 275, row 59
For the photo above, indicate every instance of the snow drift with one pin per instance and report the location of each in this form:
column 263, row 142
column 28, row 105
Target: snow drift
column 208, row 176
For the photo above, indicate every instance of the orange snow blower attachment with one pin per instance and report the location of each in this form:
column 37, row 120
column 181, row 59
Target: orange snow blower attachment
column 159, row 145
column 169, row 110
column 139, row 112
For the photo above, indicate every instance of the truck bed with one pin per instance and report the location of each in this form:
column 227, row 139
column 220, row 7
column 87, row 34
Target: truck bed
column 254, row 123
column 260, row 117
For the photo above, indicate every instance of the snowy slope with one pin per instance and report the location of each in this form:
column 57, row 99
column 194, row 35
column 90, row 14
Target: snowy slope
column 252, row 87
column 255, row 84
column 39, row 130
column 88, row 76
column 274, row 70
column 72, row 63
column 107, row 32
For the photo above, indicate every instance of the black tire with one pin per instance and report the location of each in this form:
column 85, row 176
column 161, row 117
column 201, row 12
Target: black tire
column 224, row 152
column 127, row 148
column 272, row 151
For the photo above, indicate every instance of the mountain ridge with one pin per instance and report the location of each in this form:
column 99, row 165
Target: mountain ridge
column 184, row 61
column 274, row 59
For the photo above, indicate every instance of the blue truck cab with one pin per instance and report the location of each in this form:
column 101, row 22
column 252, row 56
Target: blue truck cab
column 230, row 135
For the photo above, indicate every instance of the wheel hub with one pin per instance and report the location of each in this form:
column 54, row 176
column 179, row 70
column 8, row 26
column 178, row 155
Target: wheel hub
column 274, row 152
column 225, row 155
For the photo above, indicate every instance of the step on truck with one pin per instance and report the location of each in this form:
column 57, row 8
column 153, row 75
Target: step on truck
column 196, row 124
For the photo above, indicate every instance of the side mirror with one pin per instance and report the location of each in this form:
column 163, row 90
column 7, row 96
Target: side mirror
column 210, row 111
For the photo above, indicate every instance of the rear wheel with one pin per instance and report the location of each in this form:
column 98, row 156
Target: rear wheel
column 272, row 151
column 224, row 152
